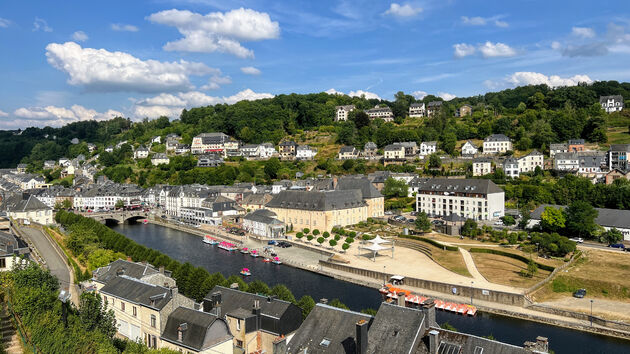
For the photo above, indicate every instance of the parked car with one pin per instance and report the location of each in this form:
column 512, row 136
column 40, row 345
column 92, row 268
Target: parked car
column 272, row 242
column 411, row 221
column 579, row 293
column 389, row 212
column 284, row 244
column 577, row 239
column 498, row 223
column 621, row 246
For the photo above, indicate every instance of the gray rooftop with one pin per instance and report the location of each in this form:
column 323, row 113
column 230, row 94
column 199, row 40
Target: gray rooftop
column 477, row 186
column 315, row 200
column 200, row 330
column 363, row 184
column 395, row 329
column 616, row 218
column 120, row 267
column 497, row 137
column 138, row 292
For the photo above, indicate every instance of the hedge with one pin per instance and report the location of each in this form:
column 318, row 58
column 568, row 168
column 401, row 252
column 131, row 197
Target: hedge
column 511, row 255
column 432, row 242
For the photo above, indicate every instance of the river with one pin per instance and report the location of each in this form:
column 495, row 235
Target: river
column 186, row 247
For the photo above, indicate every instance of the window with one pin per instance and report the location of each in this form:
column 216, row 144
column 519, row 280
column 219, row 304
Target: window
column 122, row 306
column 3, row 263
column 239, row 343
column 238, row 325
column 135, row 311
column 153, row 321
column 105, row 299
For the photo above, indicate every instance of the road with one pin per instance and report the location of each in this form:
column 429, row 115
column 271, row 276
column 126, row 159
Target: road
column 49, row 253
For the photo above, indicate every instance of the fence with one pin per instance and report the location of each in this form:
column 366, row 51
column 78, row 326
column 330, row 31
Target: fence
column 536, row 286
column 582, row 316
column 501, row 297
column 17, row 323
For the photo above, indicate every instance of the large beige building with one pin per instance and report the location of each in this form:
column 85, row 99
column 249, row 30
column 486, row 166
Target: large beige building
column 319, row 210
column 27, row 207
column 372, row 197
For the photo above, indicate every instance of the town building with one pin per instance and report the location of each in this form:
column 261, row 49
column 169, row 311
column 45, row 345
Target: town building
column 606, row 218
column 372, row 197
column 255, row 201
column 319, row 210
column 25, row 206
column 64, row 162
column 566, row 161
column 417, row 110
column 21, row 168
column 156, row 140
column 209, row 160
column 49, row 164
column 384, row 113
column 342, row 112
column 369, row 150
column 210, row 143
column 264, row 223
column 288, row 149
column 611, row 103
column 481, row 166
column 255, row 321
column 394, row 152
column 194, row 331
column 616, row 174
column 141, row 153
column 575, row 145
column 91, row 147
column 591, row 162
column 557, row 149
column 463, row 111
column 529, row 162
column 428, row 148
column 305, row 152
column 477, row 199
column 617, row 157
column 13, row 251
column 496, row 143
column 348, row 153
column 433, row 108
column 469, row 149
column 159, row 159
column 109, row 149
column 510, row 167
column 181, row 149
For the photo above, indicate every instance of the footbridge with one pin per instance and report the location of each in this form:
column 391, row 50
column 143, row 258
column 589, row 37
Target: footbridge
column 118, row 216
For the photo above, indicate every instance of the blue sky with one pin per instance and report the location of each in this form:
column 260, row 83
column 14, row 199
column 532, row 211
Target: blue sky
column 65, row 61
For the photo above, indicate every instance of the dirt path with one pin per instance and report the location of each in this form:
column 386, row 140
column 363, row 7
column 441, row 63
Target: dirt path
column 472, row 268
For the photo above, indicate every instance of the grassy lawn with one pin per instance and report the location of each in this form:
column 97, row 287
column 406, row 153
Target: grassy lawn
column 618, row 135
column 451, row 260
column 504, row 270
column 603, row 274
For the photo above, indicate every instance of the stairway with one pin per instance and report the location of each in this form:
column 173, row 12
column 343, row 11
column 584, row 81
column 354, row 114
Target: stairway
column 9, row 338
column 414, row 245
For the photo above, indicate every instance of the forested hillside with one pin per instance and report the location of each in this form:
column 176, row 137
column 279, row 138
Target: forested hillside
column 533, row 116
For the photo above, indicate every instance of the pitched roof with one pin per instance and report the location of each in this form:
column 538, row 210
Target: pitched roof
column 121, row 266
column 606, row 217
column 478, row 186
column 603, row 99
column 456, row 342
column 347, row 149
column 23, row 203
column 435, row 104
column 620, row 147
column 396, row 329
column 370, row 145
column 138, row 292
column 196, row 329
column 316, row 200
column 361, row 183
column 264, row 216
column 497, row 137
column 327, row 329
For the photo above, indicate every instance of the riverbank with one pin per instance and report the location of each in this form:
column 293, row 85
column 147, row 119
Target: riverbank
column 309, row 259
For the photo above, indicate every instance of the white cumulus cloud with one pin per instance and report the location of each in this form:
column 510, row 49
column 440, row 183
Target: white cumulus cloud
column 3, row 113
column 216, row 81
column 105, row 71
column 463, row 50
column 584, row 32
column 446, row 96
column 80, row 36
column 217, row 31
column 419, row 94
column 121, row 27
column 171, row 105
column 250, row 70
column 482, row 21
column 4, row 23
column 332, row 91
column 359, row 93
column 405, row 10
column 534, row 78
column 58, row 116
column 491, row 50
column 41, row 25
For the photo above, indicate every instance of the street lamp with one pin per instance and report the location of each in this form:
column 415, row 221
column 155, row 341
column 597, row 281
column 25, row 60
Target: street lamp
column 384, row 276
column 471, row 291
column 591, row 312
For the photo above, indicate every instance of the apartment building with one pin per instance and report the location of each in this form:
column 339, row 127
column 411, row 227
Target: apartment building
column 496, row 143
column 341, row 112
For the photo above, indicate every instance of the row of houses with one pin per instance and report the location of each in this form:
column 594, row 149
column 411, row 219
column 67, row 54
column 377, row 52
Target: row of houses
column 512, row 166
column 149, row 309
column 416, row 110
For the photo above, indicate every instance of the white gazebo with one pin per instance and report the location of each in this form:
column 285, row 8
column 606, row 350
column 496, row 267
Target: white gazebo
column 377, row 245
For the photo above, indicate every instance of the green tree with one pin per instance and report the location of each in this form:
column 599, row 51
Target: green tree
column 95, row 316
column 326, row 234
column 422, row 222
column 315, row 232
column 469, row 228
column 332, row 243
column 395, row 188
column 283, row 293
column 58, row 206
column 532, row 268
column 612, row 236
column 320, row 240
column 508, row 220
column 272, row 166
column 119, row 204
column 306, row 230
column 361, row 119
column 299, row 235
column 338, row 304
column 552, row 219
column 435, row 161
column 345, row 246
column 580, row 219
column 309, row 237
column 307, row 304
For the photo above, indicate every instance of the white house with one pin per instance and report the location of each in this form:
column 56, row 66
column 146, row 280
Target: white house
column 611, row 103
column 305, row 152
column 477, row 199
column 529, row 162
column 27, row 207
column 348, row 153
column 394, row 152
column 417, row 110
column 469, row 149
column 10, row 252
column 496, row 143
column 156, row 140
column 566, row 161
column 159, row 159
column 64, row 162
column 141, row 153
column 384, row 113
column 428, row 148
column 557, row 149
column 342, row 112
column 109, row 149
column 482, row 167
column 181, row 149
column 263, row 223
column 267, row 150
column 510, row 167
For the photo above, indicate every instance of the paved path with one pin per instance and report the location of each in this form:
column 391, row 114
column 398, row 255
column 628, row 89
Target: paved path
column 54, row 261
column 472, row 267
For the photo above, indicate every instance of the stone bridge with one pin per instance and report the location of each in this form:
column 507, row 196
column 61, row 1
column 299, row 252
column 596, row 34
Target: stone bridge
column 118, row 217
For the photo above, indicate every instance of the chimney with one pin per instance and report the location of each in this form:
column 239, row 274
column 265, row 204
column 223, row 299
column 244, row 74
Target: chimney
column 256, row 312
column 362, row 336
column 428, row 308
column 120, row 271
column 234, row 286
column 161, row 269
column 542, row 344
column 280, row 345
column 434, row 341
column 323, row 301
column 401, row 299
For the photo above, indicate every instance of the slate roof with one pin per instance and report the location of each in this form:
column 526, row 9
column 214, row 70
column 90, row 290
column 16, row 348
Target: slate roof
column 347, row 149
column 370, row 145
column 576, row 141
column 434, row 104
column 497, row 137
column 130, row 269
column 482, row 160
column 10, row 245
column 378, row 110
column 232, row 300
column 252, row 198
column 361, row 183
column 416, row 105
column 23, row 203
column 316, row 200
column 456, row 342
column 264, row 216
column 213, row 138
column 603, row 99
column 429, row 143
column 393, row 147
column 620, row 147
column 335, row 325
column 510, row 161
column 480, row 186
column 197, row 334
column 395, row 329
column 616, row 218
column 348, row 107
column 558, row 146
column 138, row 292
column 288, row 143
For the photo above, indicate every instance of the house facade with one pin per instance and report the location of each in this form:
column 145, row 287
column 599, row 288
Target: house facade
column 511, row 168
column 482, row 167
column 348, row 153
column 394, row 152
column 433, row 108
column 341, row 112
column 210, row 142
column 369, row 150
column 288, row 149
column 305, row 152
column 617, row 156
column 427, row 148
column 463, row 111
column 417, row 110
column 469, row 149
column 496, row 143
column 159, row 159
column 611, row 103
column 384, row 113
column 557, row 149
column 529, row 162
column 264, row 223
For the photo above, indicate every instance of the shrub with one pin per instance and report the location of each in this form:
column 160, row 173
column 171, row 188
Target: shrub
column 332, row 243
column 306, row 231
column 315, row 232
column 299, row 235
column 432, row 242
column 337, row 237
column 320, row 240
column 511, row 255
column 349, row 239
column 345, row 246
column 326, row 234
